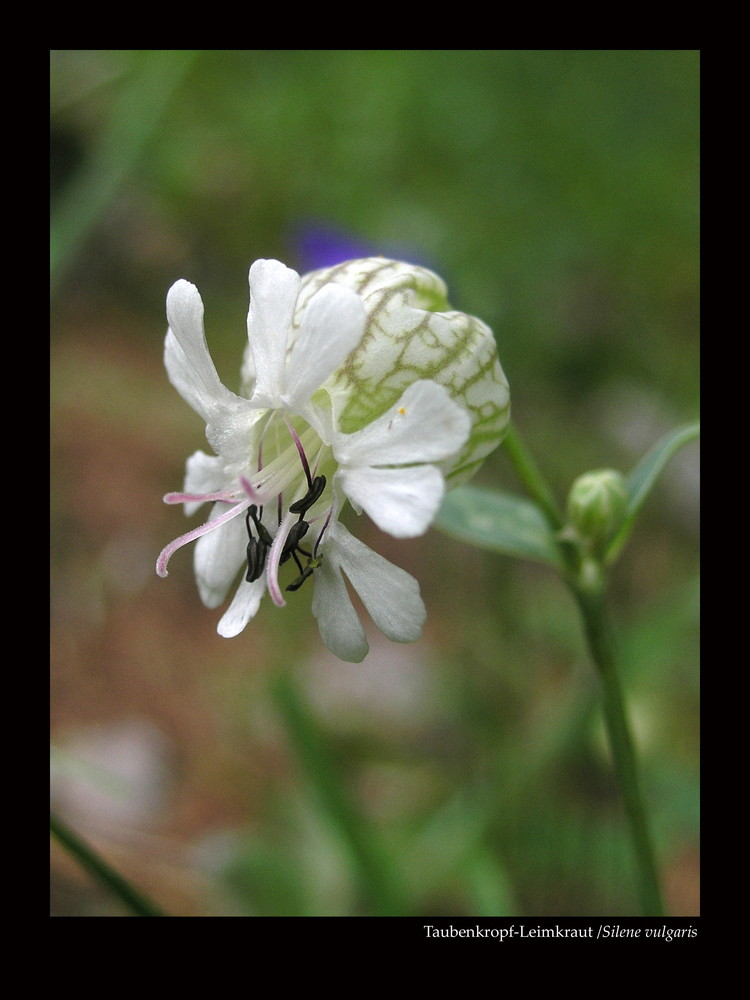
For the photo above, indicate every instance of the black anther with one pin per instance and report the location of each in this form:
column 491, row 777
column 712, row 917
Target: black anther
column 291, row 545
column 257, row 549
column 312, row 565
column 314, row 493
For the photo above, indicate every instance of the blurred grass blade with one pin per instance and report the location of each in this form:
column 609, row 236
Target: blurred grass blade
column 132, row 121
column 499, row 522
column 96, row 866
column 378, row 877
column 644, row 476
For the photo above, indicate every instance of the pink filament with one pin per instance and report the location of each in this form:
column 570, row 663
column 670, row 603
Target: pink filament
column 225, row 496
column 274, row 559
column 301, row 450
column 251, row 491
column 166, row 553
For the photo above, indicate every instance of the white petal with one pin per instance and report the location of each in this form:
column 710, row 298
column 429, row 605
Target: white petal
column 183, row 377
column 273, row 295
column 203, row 474
column 186, row 354
column 332, row 326
column 425, row 425
column 243, row 608
column 402, row 502
column 219, row 556
column 338, row 622
column 389, row 593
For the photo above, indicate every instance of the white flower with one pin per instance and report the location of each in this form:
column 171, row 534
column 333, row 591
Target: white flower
column 282, row 469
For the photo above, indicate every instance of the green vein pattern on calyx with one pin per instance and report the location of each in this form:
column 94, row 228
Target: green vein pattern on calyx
column 413, row 334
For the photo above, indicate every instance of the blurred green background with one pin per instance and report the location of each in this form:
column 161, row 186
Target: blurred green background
column 556, row 191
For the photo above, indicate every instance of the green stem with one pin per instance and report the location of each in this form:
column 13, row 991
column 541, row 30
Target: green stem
column 101, row 871
column 586, row 581
column 531, row 478
column 598, row 635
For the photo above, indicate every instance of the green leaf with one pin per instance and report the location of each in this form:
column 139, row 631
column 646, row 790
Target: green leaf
column 643, row 478
column 500, row 522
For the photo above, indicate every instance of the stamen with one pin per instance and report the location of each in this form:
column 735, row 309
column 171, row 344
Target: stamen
column 274, row 559
column 225, row 496
column 301, row 450
column 261, row 438
column 268, row 485
column 319, row 539
column 312, row 496
column 251, row 491
column 166, row 553
column 276, row 477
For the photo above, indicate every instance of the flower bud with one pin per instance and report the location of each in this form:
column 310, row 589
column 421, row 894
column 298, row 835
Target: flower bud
column 412, row 334
column 596, row 506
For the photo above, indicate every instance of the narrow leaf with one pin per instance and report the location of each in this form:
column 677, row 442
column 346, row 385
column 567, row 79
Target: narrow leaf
column 644, row 476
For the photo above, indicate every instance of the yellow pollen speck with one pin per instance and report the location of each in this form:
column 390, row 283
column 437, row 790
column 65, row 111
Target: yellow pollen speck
column 402, row 410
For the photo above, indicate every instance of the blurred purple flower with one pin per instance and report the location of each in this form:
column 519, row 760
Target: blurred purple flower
column 318, row 244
